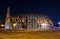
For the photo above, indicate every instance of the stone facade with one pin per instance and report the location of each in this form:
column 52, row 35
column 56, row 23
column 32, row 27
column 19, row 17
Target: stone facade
column 29, row 21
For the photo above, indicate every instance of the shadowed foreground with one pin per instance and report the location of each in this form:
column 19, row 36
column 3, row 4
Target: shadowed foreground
column 7, row 34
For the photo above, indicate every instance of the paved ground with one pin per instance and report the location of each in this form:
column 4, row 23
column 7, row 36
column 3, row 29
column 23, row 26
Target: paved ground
column 20, row 34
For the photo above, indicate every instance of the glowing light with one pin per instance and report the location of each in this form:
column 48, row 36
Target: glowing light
column 43, row 24
column 14, row 24
column 2, row 25
column 59, row 23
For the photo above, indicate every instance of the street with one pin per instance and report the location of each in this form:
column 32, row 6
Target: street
column 21, row 34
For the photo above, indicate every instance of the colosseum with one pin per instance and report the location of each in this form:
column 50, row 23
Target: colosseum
column 28, row 21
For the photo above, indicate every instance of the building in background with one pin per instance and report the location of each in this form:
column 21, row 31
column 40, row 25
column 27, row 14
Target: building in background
column 28, row 21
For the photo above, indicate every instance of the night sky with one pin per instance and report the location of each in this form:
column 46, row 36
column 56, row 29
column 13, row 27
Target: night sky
column 50, row 8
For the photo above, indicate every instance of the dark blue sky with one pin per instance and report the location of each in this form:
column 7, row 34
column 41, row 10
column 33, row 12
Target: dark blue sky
column 50, row 8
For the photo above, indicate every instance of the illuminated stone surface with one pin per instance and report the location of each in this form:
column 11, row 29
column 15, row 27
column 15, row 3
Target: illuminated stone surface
column 28, row 21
